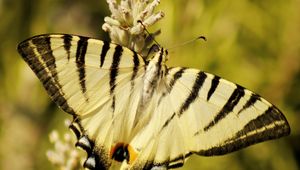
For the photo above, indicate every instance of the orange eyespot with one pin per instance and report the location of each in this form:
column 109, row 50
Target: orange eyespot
column 121, row 151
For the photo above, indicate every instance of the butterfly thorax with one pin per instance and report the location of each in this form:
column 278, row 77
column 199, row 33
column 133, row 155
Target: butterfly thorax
column 155, row 71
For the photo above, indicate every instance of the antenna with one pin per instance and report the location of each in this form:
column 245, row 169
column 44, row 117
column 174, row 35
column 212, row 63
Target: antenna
column 139, row 21
column 189, row 41
column 157, row 45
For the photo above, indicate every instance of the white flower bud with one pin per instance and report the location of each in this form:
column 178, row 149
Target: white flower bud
column 123, row 26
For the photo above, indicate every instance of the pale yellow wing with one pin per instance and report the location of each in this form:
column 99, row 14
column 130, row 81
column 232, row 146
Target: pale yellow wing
column 99, row 83
column 199, row 113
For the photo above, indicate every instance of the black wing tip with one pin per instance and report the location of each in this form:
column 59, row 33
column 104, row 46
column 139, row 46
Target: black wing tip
column 286, row 129
column 35, row 37
column 22, row 47
column 281, row 129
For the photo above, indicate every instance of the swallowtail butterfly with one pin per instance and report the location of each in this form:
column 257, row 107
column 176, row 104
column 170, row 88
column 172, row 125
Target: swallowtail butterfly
column 132, row 113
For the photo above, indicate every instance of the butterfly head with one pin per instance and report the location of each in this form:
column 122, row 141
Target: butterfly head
column 159, row 54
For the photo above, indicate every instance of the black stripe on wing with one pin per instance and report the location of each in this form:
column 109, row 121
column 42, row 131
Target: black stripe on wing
column 168, row 121
column 254, row 97
column 104, row 51
column 176, row 162
column 214, row 84
column 114, row 69
column 67, row 44
column 136, row 63
column 176, row 76
column 201, row 76
column 170, row 86
column 233, row 100
column 194, row 93
column 37, row 52
column 80, row 62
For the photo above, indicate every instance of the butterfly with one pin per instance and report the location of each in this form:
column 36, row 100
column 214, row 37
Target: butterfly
column 135, row 113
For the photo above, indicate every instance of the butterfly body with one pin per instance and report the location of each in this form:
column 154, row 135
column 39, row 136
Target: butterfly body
column 154, row 72
column 132, row 113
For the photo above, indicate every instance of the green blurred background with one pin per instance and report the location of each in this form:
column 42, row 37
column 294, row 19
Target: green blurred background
column 251, row 42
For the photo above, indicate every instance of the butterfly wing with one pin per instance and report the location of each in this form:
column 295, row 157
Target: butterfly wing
column 97, row 82
column 100, row 84
column 204, row 114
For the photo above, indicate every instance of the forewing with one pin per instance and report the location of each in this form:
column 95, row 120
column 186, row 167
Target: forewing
column 79, row 73
column 207, row 115
column 99, row 83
